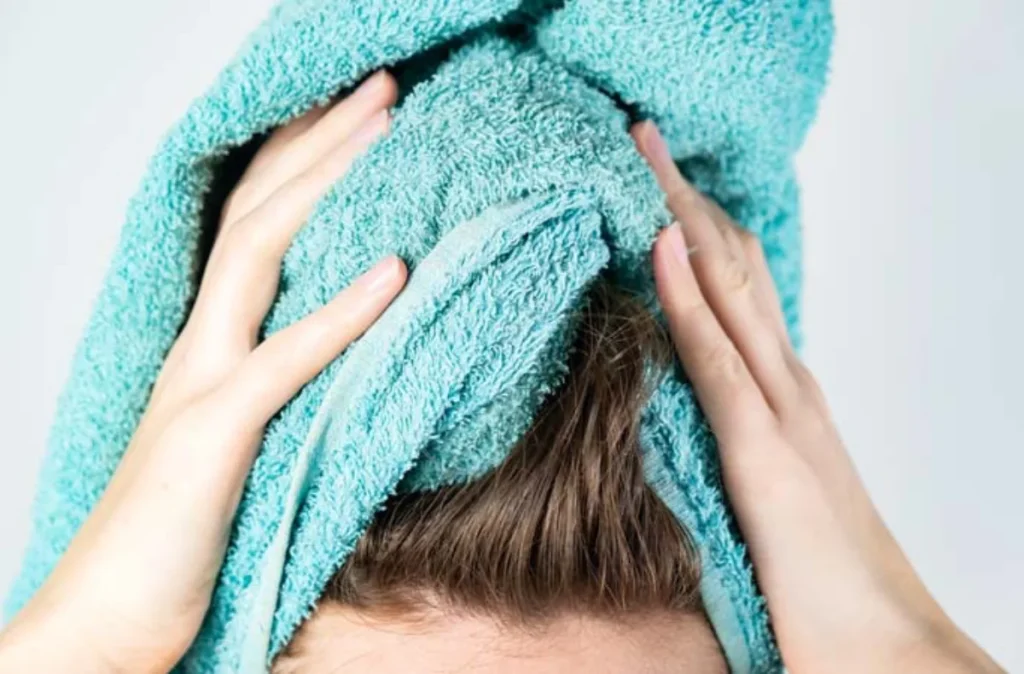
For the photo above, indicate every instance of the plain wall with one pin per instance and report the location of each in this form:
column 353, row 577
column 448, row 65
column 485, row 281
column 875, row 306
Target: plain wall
column 912, row 179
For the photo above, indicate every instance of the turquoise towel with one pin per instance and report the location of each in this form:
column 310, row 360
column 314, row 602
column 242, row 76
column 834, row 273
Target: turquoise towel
column 508, row 183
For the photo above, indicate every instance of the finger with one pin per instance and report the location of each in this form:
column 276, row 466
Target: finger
column 302, row 147
column 723, row 272
column 725, row 388
column 723, row 275
column 377, row 93
column 679, row 195
column 741, row 241
column 758, row 264
column 250, row 188
column 244, row 268
column 276, row 371
column 280, row 138
column 745, row 245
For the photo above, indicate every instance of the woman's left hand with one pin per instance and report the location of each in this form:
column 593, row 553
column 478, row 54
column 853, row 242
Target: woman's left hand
column 131, row 591
column 842, row 595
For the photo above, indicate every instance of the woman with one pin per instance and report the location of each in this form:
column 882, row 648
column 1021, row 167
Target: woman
column 587, row 572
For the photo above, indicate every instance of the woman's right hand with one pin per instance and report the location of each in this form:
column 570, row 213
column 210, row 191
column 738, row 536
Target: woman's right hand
column 130, row 593
column 842, row 595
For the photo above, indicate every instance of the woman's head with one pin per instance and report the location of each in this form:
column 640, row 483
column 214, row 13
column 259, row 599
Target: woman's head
column 560, row 559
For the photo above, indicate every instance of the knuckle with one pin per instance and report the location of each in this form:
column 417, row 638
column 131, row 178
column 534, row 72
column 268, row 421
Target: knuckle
column 724, row 360
column 731, row 236
column 691, row 313
column 810, row 396
column 683, row 199
column 734, row 277
column 751, row 242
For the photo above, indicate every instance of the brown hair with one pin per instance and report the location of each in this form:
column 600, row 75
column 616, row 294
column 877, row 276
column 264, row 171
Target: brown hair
column 567, row 523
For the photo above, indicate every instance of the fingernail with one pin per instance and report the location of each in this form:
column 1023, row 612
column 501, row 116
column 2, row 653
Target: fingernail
column 381, row 276
column 654, row 145
column 677, row 244
column 374, row 81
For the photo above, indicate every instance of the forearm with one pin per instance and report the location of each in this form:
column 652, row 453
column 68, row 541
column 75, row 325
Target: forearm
column 51, row 635
column 38, row 643
column 947, row 650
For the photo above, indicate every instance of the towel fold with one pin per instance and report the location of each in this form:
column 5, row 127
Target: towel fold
column 508, row 183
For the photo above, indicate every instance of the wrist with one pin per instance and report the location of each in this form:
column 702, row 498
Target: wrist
column 944, row 649
column 929, row 641
column 896, row 639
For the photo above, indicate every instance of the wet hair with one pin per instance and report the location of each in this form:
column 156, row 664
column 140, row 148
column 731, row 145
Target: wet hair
column 567, row 524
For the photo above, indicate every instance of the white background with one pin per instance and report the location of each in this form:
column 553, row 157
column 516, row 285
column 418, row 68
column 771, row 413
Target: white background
column 914, row 239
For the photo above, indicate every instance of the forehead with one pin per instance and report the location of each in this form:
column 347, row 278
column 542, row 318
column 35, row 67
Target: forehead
column 339, row 639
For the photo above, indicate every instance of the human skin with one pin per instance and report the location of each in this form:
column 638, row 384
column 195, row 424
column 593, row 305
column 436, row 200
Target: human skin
column 341, row 639
column 841, row 593
column 131, row 592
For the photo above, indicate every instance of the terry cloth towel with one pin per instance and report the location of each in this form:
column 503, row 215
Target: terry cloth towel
column 508, row 183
